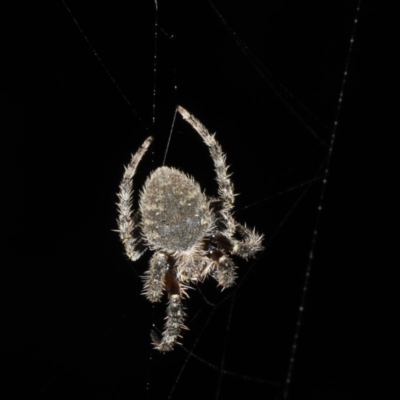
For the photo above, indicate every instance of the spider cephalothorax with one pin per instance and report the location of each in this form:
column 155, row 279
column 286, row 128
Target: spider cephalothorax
column 193, row 236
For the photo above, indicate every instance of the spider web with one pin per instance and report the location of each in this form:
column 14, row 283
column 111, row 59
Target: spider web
column 271, row 80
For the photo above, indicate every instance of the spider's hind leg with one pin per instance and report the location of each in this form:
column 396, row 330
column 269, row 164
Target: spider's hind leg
column 154, row 278
column 175, row 316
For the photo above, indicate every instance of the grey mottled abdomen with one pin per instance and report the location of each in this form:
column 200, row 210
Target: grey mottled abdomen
column 175, row 213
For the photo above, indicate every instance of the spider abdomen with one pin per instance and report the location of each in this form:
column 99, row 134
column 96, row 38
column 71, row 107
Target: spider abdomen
column 175, row 213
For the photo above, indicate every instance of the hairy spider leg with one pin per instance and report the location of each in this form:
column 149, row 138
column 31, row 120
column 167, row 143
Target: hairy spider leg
column 163, row 276
column 127, row 223
column 223, row 266
column 154, row 278
column 225, row 186
column 251, row 244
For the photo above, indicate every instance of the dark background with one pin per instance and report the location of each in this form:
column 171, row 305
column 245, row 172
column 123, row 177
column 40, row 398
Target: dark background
column 73, row 320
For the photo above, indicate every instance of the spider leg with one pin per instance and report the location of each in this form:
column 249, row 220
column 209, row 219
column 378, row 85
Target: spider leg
column 127, row 223
column 223, row 268
column 175, row 316
column 154, row 279
column 225, row 185
column 251, row 244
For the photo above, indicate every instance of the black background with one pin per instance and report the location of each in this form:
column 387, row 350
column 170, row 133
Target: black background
column 73, row 319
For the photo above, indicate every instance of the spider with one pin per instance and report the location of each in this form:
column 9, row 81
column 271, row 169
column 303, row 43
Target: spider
column 193, row 236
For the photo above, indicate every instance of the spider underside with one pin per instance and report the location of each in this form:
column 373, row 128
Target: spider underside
column 192, row 236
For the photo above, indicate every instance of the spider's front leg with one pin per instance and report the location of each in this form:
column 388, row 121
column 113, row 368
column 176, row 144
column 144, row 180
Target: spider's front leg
column 126, row 222
column 225, row 185
column 175, row 315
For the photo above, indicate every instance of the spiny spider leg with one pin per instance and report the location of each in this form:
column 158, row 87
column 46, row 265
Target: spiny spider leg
column 224, row 270
column 125, row 221
column 225, row 186
column 154, row 279
column 175, row 316
column 251, row 244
